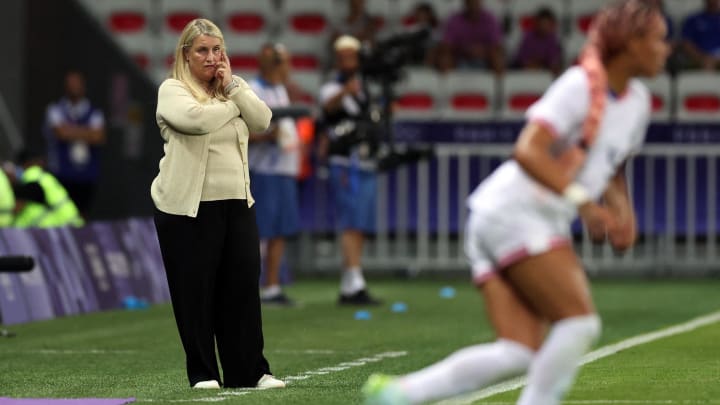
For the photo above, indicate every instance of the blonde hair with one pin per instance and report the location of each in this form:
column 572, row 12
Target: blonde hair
column 610, row 30
column 181, row 70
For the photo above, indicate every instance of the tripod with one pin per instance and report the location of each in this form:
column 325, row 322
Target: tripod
column 14, row 264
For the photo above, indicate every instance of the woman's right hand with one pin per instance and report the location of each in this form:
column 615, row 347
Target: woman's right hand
column 598, row 220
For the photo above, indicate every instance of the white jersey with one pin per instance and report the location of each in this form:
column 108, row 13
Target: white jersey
column 282, row 157
column 563, row 108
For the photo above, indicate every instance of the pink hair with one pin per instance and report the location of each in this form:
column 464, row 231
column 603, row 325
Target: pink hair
column 611, row 28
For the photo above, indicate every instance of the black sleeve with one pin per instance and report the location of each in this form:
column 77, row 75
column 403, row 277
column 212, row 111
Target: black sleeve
column 29, row 192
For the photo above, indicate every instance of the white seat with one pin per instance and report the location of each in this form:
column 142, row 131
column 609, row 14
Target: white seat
column 662, row 98
column 307, row 52
column 419, row 95
column 308, row 17
column 309, row 83
column 519, row 90
column 130, row 23
column 470, row 96
column 572, row 46
column 679, row 10
column 244, row 49
column 247, row 18
column 174, row 15
column 698, row 96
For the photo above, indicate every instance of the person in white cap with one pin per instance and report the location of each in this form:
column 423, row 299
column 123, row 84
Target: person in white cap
column 352, row 168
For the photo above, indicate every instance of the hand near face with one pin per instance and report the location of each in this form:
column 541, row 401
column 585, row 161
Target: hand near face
column 223, row 72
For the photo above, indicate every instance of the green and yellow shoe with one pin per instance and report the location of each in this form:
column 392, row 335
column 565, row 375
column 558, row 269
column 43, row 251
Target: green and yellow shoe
column 381, row 389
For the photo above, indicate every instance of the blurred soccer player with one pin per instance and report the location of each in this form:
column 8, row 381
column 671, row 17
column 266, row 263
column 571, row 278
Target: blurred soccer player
column 274, row 166
column 568, row 161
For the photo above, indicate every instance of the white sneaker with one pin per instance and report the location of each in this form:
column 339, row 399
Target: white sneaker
column 269, row 381
column 207, row 385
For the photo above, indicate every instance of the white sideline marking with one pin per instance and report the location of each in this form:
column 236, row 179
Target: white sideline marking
column 598, row 354
column 343, row 366
column 222, row 396
column 89, row 351
column 309, row 351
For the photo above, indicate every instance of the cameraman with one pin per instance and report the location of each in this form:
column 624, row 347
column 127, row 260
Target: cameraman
column 352, row 166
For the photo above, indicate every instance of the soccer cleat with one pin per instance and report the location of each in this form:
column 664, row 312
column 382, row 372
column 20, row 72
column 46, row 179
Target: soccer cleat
column 359, row 298
column 269, row 381
column 207, row 385
column 381, row 389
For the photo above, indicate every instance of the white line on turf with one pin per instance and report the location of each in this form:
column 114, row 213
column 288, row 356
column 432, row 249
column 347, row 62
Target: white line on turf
column 88, row 351
column 343, row 366
column 603, row 352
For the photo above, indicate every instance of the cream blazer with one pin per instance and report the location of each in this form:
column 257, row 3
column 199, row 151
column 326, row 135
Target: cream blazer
column 185, row 125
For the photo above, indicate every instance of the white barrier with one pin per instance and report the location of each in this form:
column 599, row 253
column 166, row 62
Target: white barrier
column 658, row 252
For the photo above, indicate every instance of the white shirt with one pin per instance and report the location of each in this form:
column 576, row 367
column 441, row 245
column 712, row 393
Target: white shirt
column 281, row 157
column 563, row 108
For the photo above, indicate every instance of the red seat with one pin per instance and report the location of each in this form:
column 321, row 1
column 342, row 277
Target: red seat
column 521, row 101
column 246, row 23
column 702, row 103
column 244, row 61
column 178, row 20
column 527, row 23
column 308, row 23
column 583, row 22
column 142, row 60
column 469, row 101
column 658, row 103
column 304, row 62
column 127, row 21
column 416, row 101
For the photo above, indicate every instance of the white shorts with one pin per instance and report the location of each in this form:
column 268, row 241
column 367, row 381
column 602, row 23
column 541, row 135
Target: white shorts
column 495, row 240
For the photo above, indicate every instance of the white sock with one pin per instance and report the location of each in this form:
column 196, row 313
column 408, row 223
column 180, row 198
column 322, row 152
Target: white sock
column 467, row 369
column 270, row 291
column 352, row 281
column 554, row 368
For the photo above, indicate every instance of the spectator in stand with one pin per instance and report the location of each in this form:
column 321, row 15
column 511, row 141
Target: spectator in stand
column 474, row 38
column 540, row 46
column 75, row 130
column 701, row 37
column 358, row 23
column 423, row 17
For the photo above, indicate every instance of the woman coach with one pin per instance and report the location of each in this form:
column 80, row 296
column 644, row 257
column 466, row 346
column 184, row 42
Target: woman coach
column 204, row 217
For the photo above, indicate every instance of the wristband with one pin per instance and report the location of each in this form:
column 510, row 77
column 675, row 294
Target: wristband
column 230, row 86
column 576, row 194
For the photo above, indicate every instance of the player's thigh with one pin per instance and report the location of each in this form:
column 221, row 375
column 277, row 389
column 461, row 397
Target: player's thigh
column 510, row 314
column 552, row 283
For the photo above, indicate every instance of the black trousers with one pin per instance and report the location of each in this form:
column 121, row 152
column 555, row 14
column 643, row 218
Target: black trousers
column 213, row 268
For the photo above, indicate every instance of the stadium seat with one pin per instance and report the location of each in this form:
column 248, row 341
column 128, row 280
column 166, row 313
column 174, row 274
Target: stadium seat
column 177, row 13
column 308, row 17
column 520, row 89
column 572, row 46
column 243, row 50
column 698, row 97
column 470, row 96
column 129, row 23
column 306, row 52
column 580, row 14
column 247, row 18
column 661, row 90
column 680, row 9
column 418, row 95
column 522, row 13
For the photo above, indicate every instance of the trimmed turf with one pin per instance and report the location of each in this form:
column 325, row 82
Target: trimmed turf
column 137, row 353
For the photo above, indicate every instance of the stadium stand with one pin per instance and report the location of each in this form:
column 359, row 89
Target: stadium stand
column 519, row 90
column 471, row 96
column 698, row 97
column 419, row 95
column 662, row 97
column 580, row 13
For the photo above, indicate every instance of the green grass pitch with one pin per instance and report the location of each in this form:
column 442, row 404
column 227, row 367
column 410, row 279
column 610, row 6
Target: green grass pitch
column 328, row 354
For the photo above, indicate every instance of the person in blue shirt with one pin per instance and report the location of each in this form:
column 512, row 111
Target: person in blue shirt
column 74, row 131
column 701, row 37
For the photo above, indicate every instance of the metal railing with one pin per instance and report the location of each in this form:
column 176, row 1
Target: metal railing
column 421, row 213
